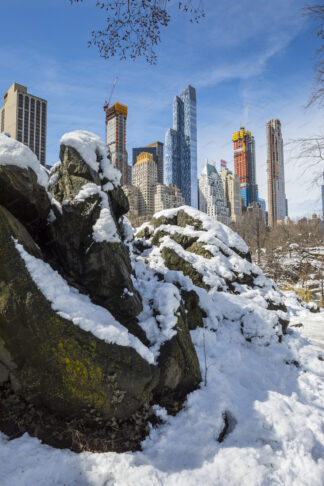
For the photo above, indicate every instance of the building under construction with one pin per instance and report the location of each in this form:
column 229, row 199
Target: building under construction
column 244, row 165
column 116, row 116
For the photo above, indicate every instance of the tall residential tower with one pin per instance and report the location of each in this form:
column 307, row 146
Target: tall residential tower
column 231, row 185
column 244, row 165
column 156, row 149
column 277, row 205
column 181, row 147
column 116, row 117
column 211, row 194
column 23, row 116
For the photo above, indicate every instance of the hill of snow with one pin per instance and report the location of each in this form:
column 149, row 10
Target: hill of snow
column 272, row 397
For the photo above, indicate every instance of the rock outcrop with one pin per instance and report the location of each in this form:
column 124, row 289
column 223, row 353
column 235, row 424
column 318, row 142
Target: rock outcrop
column 101, row 266
column 215, row 261
column 96, row 325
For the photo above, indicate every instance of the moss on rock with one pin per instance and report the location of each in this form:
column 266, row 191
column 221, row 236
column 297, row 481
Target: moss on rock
column 174, row 262
column 193, row 313
column 56, row 363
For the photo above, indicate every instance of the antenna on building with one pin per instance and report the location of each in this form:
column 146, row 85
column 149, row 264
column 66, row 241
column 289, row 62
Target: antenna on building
column 107, row 103
column 246, row 115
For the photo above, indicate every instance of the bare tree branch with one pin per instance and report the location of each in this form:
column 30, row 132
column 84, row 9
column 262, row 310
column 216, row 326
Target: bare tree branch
column 311, row 150
column 317, row 13
column 133, row 27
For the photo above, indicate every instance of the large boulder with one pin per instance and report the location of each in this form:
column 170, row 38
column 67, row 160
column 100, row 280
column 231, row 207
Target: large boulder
column 101, row 266
column 23, row 186
column 50, row 360
column 207, row 259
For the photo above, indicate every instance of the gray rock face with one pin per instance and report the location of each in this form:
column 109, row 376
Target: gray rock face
column 24, row 197
column 53, row 362
column 63, row 368
column 102, row 269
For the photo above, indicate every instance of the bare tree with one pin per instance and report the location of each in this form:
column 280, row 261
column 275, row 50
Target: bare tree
column 252, row 229
column 316, row 12
column 309, row 153
column 133, row 27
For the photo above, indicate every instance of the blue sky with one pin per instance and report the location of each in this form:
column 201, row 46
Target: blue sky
column 252, row 52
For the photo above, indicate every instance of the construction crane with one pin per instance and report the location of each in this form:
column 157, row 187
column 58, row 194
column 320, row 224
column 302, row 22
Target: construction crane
column 107, row 103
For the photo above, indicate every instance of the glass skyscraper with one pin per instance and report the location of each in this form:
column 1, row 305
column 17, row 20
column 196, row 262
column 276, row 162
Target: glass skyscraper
column 181, row 147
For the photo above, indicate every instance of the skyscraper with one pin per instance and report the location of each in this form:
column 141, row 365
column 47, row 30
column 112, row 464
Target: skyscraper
column 23, row 116
column 211, row 194
column 181, row 147
column 244, row 165
column 277, row 207
column 145, row 178
column 156, row 149
column 116, row 117
column 231, row 185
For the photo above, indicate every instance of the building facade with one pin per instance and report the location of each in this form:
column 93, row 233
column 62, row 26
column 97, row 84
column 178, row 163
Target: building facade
column 116, row 117
column 146, row 196
column 156, row 149
column 24, row 117
column 211, row 194
column 232, row 192
column 264, row 209
column 167, row 197
column 145, row 178
column 180, row 159
column 277, row 206
column 244, row 165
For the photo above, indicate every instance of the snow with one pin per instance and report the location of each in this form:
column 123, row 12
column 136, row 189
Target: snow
column 248, row 307
column 214, row 228
column 16, row 153
column 89, row 146
column 104, row 228
column 78, row 308
column 312, row 324
column 271, row 392
column 276, row 412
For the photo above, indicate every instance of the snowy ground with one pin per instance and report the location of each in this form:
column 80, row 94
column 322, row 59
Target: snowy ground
column 277, row 412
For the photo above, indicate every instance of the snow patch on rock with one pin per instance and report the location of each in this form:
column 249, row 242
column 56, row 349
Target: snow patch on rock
column 16, row 153
column 89, row 146
column 104, row 228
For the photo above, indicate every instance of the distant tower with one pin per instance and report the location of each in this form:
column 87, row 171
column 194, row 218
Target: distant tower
column 145, row 178
column 180, row 158
column 244, row 165
column 211, row 194
column 231, row 185
column 156, row 149
column 277, row 206
column 23, row 116
column 116, row 117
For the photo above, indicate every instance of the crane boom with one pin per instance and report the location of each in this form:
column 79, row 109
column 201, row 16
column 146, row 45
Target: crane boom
column 107, row 103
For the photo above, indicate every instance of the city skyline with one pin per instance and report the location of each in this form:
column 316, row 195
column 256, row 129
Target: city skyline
column 75, row 81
